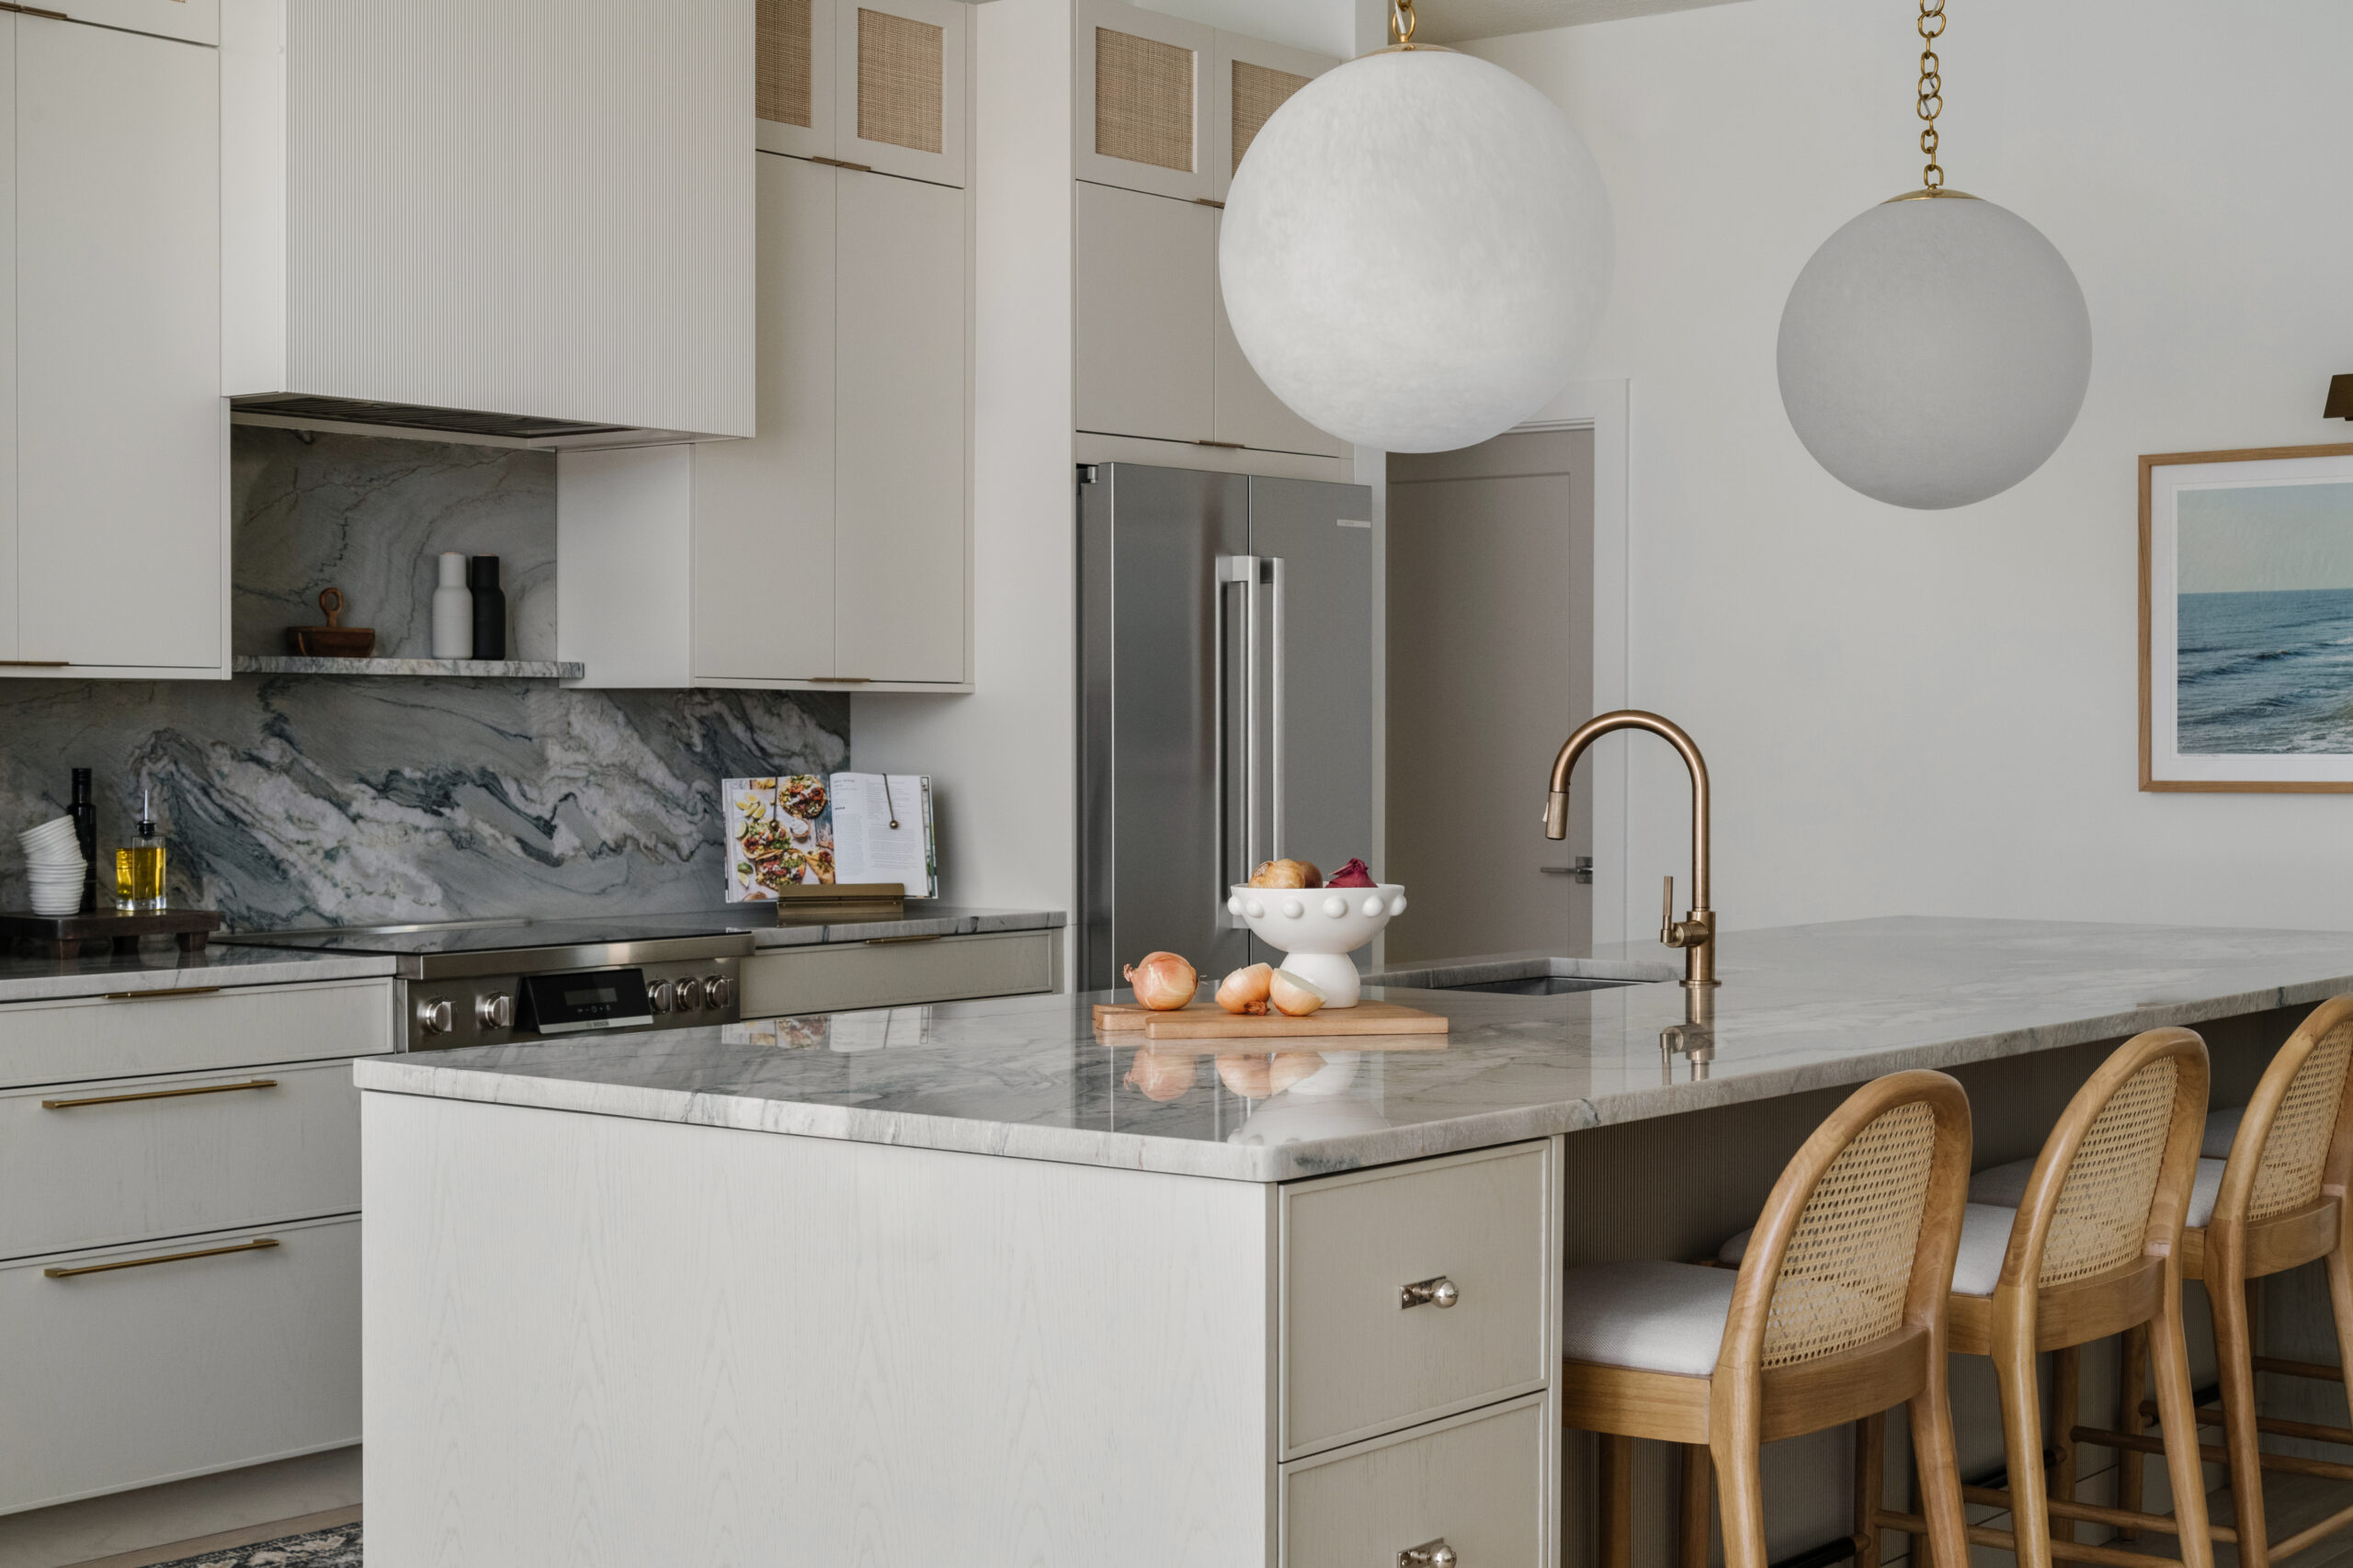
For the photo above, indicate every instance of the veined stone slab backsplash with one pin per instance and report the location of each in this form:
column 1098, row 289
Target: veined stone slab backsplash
column 336, row 800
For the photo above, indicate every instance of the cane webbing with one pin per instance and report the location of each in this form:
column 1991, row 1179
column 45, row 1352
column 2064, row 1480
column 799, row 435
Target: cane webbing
column 1850, row 1262
column 901, row 85
column 2298, row 1144
column 2103, row 1213
column 781, row 61
column 1144, row 100
column 1258, row 91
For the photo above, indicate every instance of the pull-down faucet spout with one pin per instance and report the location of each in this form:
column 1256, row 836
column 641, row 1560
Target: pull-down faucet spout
column 1696, row 932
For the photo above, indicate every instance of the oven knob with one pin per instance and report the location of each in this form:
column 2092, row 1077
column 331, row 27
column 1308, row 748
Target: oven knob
column 657, row 997
column 689, row 994
column 719, row 990
column 494, row 1011
column 438, row 1018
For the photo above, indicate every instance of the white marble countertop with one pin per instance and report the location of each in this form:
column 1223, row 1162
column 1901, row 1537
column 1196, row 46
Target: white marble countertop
column 159, row 966
column 1801, row 1007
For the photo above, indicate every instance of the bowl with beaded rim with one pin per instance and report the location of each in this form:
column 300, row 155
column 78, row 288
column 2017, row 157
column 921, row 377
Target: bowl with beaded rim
column 1317, row 928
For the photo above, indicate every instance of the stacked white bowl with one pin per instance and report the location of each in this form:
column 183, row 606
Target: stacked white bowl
column 54, row 867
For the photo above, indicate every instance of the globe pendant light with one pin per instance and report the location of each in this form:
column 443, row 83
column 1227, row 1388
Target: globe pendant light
column 1936, row 349
column 1414, row 248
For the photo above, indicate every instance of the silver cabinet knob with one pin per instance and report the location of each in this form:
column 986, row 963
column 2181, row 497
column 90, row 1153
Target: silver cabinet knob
column 1437, row 1291
column 1429, row 1554
column 494, row 1011
column 438, row 1018
column 719, row 991
column 688, row 993
column 657, row 997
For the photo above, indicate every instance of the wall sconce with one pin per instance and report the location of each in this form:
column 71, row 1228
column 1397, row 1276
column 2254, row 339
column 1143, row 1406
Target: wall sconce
column 2340, row 398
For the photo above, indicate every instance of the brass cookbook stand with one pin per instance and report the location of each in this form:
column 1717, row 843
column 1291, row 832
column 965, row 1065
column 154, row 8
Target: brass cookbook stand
column 839, row 904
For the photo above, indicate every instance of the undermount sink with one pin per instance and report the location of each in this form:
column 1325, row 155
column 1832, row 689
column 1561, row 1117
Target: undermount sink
column 1522, row 976
column 1539, row 984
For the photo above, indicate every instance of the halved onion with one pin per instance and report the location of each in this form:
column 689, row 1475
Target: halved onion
column 1244, row 991
column 1293, row 996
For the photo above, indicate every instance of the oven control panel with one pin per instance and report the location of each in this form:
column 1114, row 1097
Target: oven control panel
column 496, row 1010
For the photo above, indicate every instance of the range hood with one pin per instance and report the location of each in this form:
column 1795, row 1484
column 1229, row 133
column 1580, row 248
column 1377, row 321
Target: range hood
column 520, row 219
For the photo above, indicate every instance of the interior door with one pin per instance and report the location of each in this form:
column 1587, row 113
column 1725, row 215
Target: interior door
column 1490, row 667
column 1317, row 541
column 1160, row 832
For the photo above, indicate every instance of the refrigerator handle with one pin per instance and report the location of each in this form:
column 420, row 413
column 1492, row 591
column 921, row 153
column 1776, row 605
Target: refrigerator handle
column 1277, row 728
column 1243, row 570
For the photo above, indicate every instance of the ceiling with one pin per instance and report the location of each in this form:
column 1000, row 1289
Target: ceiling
column 1451, row 22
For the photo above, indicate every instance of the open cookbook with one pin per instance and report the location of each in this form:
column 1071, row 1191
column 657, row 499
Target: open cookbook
column 798, row 828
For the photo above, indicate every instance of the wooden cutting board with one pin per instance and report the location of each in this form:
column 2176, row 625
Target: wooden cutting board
column 1207, row 1021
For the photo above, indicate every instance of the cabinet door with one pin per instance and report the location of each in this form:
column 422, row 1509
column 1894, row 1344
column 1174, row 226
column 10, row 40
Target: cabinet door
column 794, row 76
column 1247, row 412
column 1251, row 79
column 7, row 339
column 1147, row 301
column 764, row 507
column 1143, row 97
column 900, row 442
column 899, row 87
column 121, row 503
column 199, row 22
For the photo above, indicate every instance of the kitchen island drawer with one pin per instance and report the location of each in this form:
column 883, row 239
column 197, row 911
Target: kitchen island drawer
column 93, row 1165
column 896, row 973
column 1413, row 1292
column 177, row 1365
column 195, row 1029
column 1478, row 1484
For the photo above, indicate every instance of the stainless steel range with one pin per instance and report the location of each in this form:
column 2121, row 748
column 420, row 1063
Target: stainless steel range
column 488, row 982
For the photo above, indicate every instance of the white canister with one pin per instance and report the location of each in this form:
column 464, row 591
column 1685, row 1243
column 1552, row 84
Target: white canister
column 453, row 610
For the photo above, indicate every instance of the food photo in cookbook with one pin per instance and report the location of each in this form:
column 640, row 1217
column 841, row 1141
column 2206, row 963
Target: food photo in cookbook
column 780, row 833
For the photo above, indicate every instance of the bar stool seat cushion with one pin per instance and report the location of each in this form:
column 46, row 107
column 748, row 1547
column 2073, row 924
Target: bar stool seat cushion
column 1652, row 1317
column 2221, row 1126
column 1976, row 1267
column 2006, row 1184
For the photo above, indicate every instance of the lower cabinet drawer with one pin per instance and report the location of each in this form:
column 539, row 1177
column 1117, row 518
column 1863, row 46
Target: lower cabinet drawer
column 1475, row 1231
column 93, row 1165
column 1476, row 1481
column 195, row 1029
column 837, row 977
column 124, row 1377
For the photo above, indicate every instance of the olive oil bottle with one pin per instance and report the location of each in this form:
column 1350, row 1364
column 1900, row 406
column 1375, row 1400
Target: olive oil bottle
column 139, row 868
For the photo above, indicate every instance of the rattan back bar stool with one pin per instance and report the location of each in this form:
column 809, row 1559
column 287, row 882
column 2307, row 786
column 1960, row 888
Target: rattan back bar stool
column 1837, row 1311
column 2280, row 1202
column 2093, row 1249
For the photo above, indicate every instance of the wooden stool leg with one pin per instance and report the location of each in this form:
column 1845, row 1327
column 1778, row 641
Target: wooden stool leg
column 2340, row 1304
column 1940, row 1466
column 1740, row 1498
column 1692, row 1523
column 2066, row 1403
column 2131, row 1386
column 2176, row 1409
column 2234, row 1347
column 1616, row 1501
column 1870, row 1487
column 2022, row 1442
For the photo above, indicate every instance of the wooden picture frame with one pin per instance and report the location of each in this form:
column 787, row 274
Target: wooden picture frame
column 2252, row 535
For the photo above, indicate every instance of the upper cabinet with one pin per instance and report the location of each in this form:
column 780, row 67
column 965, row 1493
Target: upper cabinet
column 532, row 219
column 113, row 492
column 877, row 88
column 1142, row 93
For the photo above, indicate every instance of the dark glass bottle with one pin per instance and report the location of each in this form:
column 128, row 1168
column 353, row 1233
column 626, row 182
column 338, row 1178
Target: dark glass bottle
column 490, row 606
column 85, row 812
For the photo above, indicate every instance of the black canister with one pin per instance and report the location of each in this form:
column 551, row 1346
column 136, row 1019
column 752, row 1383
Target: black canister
column 490, row 606
column 85, row 812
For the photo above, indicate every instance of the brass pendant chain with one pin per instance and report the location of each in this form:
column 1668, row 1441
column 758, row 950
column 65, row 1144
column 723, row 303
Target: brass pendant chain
column 1401, row 23
column 1932, row 99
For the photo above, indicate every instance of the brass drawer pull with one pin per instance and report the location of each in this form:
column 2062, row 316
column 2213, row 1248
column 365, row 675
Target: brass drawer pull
column 839, row 680
column 36, row 663
column 162, row 996
column 1429, row 1554
column 887, row 941
column 842, row 163
column 254, row 1245
column 1438, row 1292
column 160, row 1094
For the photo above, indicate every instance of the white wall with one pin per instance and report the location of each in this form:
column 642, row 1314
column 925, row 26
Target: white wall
column 1936, row 713
column 1002, row 760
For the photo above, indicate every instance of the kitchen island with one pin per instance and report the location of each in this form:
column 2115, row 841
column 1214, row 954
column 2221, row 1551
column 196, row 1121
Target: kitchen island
column 966, row 1283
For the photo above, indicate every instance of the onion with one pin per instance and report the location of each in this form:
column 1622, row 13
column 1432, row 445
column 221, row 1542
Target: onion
column 1163, row 981
column 1162, row 1078
column 1244, row 991
column 1293, row 996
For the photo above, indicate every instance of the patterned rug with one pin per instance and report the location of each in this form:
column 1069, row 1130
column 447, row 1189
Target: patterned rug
column 338, row 1548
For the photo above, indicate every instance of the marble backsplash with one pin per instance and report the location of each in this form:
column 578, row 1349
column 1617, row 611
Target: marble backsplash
column 317, row 800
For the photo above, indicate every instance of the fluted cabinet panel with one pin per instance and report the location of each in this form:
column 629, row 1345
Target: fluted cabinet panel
column 539, row 207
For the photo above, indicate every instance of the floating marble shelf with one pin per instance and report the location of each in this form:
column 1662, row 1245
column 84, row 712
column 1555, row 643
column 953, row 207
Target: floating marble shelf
column 484, row 669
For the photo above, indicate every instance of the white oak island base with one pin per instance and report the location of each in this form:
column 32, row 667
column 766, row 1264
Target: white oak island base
column 592, row 1340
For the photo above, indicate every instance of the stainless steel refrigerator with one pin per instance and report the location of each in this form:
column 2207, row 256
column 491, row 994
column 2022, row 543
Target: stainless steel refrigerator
column 1225, row 700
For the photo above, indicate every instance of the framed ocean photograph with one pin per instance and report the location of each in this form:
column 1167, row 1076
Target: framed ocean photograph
column 2246, row 619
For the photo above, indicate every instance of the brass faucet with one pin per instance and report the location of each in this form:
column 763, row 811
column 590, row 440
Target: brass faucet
column 1696, row 932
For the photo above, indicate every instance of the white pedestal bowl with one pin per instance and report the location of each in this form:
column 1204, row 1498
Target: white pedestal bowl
column 1317, row 928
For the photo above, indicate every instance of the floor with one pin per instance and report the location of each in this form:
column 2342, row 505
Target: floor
column 159, row 1524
